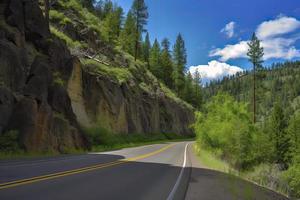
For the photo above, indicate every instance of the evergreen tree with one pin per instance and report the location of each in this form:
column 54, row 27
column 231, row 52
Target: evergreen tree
column 154, row 60
column 180, row 59
column 278, row 134
column 146, row 48
column 167, row 63
column 188, row 94
column 112, row 25
column 140, row 14
column 197, row 91
column 128, row 34
column 255, row 53
column 89, row 4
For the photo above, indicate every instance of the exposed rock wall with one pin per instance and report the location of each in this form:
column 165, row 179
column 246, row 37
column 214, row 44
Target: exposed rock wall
column 45, row 93
column 99, row 100
column 31, row 100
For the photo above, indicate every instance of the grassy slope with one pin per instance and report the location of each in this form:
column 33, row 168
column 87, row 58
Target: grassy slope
column 146, row 80
column 211, row 161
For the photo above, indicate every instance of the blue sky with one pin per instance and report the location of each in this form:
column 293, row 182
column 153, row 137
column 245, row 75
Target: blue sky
column 203, row 25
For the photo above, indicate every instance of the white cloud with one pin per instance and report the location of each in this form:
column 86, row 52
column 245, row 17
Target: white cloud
column 214, row 70
column 238, row 50
column 275, row 44
column 228, row 30
column 281, row 25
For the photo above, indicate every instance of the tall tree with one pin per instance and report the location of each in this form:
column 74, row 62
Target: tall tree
column 180, row 59
column 112, row 24
column 255, row 54
column 197, row 90
column 278, row 134
column 154, row 60
column 140, row 13
column 89, row 4
column 127, row 36
column 146, row 48
column 166, row 63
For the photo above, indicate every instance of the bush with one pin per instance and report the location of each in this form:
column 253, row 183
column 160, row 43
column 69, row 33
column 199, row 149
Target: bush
column 226, row 128
column 292, row 176
column 9, row 141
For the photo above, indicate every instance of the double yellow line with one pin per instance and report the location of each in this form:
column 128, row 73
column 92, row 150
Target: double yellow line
column 80, row 170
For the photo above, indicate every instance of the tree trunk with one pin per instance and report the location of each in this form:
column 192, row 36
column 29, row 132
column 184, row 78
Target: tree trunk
column 254, row 94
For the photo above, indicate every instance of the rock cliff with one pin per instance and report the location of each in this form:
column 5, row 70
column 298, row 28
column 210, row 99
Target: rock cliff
column 48, row 94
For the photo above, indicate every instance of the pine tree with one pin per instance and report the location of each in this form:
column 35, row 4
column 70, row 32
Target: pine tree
column 89, row 4
column 146, row 48
column 255, row 53
column 140, row 13
column 180, row 59
column 154, row 60
column 278, row 134
column 197, row 91
column 128, row 34
column 188, row 94
column 167, row 63
column 112, row 24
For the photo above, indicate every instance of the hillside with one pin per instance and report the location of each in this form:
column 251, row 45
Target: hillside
column 277, row 83
column 58, row 80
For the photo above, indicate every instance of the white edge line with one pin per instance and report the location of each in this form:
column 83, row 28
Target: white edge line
column 172, row 194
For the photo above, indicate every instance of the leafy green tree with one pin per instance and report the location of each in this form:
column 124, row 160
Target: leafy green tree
column 255, row 53
column 180, row 59
column 154, row 60
column 225, row 129
column 140, row 14
column 128, row 34
column 146, row 48
column 167, row 63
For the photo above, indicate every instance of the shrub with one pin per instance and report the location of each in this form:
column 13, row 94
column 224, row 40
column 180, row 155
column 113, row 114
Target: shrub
column 226, row 128
column 292, row 176
column 9, row 141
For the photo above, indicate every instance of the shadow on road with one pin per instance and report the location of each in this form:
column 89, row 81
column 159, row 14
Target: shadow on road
column 130, row 180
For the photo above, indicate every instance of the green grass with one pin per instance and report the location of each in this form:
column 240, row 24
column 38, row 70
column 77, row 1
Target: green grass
column 59, row 17
column 92, row 21
column 69, row 42
column 211, row 161
column 258, row 175
column 119, row 74
column 169, row 93
column 103, row 140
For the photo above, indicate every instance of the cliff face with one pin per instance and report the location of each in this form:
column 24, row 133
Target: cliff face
column 125, row 108
column 47, row 94
column 32, row 101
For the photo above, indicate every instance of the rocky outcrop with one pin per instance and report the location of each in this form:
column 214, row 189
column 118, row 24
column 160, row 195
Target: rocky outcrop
column 32, row 101
column 100, row 101
column 45, row 93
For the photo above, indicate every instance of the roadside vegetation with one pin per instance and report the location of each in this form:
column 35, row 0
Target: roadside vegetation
column 255, row 132
column 103, row 140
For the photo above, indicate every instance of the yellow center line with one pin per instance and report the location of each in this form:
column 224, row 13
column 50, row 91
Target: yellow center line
column 79, row 170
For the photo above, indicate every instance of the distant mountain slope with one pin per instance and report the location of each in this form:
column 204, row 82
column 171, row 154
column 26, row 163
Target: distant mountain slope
column 278, row 83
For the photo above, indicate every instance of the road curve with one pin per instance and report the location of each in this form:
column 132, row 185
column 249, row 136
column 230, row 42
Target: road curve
column 162, row 171
column 148, row 172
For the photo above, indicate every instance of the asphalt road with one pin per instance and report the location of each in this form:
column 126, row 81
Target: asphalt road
column 162, row 171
